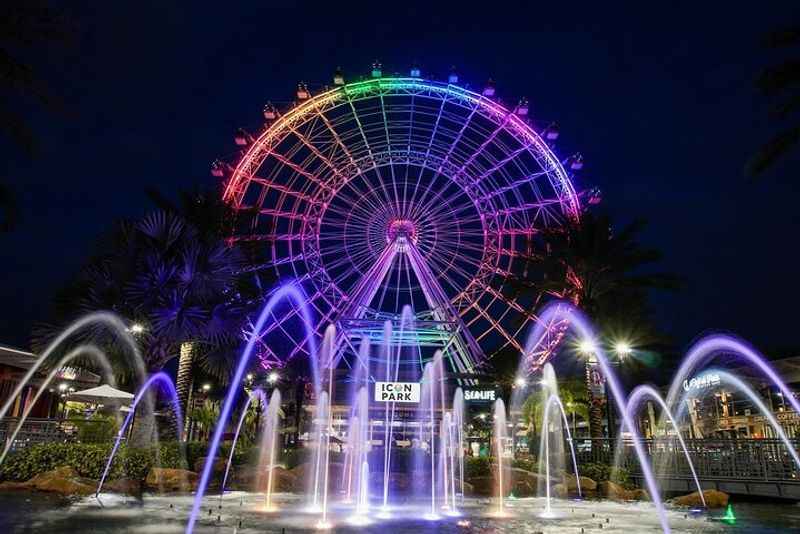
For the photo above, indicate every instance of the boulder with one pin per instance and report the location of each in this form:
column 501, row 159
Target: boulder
column 126, row 486
column 64, row 481
column 570, row 481
column 613, row 491
column 639, row 494
column 714, row 499
column 560, row 491
column 163, row 479
column 219, row 465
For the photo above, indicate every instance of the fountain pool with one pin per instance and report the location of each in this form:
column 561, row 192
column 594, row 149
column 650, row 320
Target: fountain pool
column 167, row 514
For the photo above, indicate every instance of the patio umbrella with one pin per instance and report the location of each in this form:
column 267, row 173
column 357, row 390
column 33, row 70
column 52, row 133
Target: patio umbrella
column 104, row 394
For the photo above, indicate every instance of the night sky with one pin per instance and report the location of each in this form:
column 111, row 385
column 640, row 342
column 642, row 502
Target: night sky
column 660, row 100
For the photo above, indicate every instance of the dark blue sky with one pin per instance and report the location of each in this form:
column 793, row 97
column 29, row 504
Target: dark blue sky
column 659, row 99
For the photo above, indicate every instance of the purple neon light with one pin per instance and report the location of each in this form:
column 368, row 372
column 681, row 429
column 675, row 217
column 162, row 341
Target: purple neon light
column 635, row 398
column 715, row 344
column 576, row 319
column 166, row 383
column 286, row 291
column 468, row 183
column 259, row 394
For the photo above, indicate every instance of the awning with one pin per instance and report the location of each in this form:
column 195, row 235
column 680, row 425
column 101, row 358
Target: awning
column 104, row 394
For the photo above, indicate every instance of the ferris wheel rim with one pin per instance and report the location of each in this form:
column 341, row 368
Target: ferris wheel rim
column 312, row 220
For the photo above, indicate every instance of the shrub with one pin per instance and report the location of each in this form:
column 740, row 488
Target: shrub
column 89, row 460
column 603, row 472
column 97, row 429
column 526, row 464
column 477, row 467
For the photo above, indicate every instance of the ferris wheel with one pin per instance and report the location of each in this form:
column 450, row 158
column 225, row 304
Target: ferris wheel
column 401, row 191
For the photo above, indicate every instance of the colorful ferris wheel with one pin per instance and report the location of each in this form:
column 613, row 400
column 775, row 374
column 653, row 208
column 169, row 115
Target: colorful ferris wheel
column 402, row 191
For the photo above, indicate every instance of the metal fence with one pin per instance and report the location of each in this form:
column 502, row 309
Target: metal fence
column 740, row 459
column 35, row 431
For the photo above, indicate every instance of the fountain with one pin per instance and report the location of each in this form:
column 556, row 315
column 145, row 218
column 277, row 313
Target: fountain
column 108, row 319
column 500, row 438
column 257, row 394
column 286, row 291
column 636, row 396
column 556, row 312
column 269, row 443
column 166, row 383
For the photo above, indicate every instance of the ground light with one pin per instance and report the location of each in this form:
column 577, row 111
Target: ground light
column 729, row 517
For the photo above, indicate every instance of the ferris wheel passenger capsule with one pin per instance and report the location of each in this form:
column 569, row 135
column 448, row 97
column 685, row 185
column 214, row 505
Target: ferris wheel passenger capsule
column 270, row 112
column 338, row 77
column 377, row 69
column 489, row 90
column 241, row 138
column 523, row 107
column 302, row 91
column 551, row 134
column 595, row 196
column 576, row 162
column 415, row 72
column 453, row 78
column 217, row 169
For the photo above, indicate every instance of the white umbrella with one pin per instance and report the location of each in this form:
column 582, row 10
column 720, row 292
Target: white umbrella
column 104, row 394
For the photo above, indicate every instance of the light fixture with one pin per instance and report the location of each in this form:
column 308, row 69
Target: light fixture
column 206, row 387
column 587, row 346
column 249, row 377
column 273, row 377
column 623, row 348
column 520, row 382
column 137, row 328
column 63, row 386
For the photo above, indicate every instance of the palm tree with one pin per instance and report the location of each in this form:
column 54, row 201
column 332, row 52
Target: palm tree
column 781, row 84
column 600, row 271
column 178, row 284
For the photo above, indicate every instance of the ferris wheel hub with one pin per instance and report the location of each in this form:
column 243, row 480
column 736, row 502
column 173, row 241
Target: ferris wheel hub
column 401, row 228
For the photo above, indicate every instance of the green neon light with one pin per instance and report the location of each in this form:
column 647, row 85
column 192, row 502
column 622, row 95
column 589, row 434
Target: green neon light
column 729, row 517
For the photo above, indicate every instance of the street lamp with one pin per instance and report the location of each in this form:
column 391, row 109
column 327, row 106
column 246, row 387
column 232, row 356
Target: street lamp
column 587, row 347
column 623, row 349
column 136, row 328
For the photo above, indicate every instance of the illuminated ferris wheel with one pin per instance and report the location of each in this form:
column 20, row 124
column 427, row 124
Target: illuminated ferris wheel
column 396, row 191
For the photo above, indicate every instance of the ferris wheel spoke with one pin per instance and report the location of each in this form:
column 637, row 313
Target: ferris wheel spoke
column 495, row 326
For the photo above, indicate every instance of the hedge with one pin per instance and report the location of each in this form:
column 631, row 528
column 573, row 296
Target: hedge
column 89, row 459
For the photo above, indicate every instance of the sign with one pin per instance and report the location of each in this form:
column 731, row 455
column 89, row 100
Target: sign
column 397, row 391
column 703, row 381
column 480, row 395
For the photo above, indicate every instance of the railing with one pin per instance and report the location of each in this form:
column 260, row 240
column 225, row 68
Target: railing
column 35, row 431
column 733, row 459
